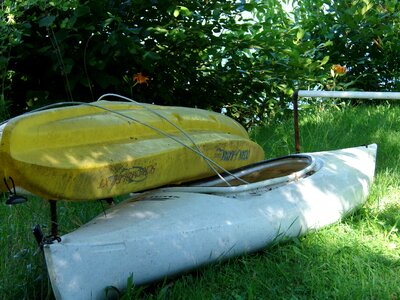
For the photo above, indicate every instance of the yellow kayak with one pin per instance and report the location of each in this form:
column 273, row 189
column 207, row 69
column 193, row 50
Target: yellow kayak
column 104, row 149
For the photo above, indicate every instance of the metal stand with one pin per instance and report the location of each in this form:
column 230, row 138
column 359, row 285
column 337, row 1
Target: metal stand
column 296, row 121
column 334, row 94
column 13, row 198
column 53, row 217
column 37, row 231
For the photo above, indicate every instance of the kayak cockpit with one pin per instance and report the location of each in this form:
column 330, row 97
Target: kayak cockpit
column 265, row 170
column 266, row 174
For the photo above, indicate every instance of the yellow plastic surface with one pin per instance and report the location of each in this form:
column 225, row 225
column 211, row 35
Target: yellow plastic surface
column 86, row 152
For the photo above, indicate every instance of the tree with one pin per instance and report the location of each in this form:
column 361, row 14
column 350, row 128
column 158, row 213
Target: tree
column 364, row 36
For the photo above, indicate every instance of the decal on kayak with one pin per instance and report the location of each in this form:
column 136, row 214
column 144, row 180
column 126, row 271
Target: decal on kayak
column 230, row 155
column 123, row 175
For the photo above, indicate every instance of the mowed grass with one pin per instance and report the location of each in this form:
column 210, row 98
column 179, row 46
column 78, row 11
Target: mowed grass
column 357, row 258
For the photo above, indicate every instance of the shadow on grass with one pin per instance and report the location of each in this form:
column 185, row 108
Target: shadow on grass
column 389, row 218
column 300, row 269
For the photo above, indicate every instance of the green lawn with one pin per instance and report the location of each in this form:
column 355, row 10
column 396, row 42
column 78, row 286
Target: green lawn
column 358, row 258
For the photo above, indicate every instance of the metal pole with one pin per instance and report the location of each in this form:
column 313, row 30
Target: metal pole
column 352, row 95
column 296, row 121
column 333, row 94
column 53, row 216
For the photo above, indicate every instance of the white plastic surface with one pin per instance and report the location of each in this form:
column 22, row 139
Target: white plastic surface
column 162, row 233
column 354, row 95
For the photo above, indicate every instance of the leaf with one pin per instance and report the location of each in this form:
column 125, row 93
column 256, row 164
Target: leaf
column 184, row 10
column 108, row 21
column 46, row 21
column 366, row 8
column 325, row 60
column 300, row 34
column 81, row 11
column 151, row 55
column 326, row 44
column 64, row 23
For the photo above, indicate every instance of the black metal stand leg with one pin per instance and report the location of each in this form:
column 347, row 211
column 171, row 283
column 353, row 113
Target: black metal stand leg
column 53, row 216
column 296, row 121
column 37, row 231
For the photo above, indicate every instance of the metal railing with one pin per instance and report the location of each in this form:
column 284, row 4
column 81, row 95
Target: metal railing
column 333, row 94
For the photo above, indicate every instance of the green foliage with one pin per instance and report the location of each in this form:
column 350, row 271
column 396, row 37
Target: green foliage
column 207, row 54
column 364, row 37
column 263, row 62
column 245, row 57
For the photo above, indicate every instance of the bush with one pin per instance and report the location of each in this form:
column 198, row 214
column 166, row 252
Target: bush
column 245, row 57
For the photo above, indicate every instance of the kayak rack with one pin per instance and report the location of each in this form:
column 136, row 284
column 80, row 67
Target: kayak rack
column 13, row 197
column 333, row 94
column 41, row 239
column 37, row 230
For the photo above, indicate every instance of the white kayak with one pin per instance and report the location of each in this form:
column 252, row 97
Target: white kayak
column 172, row 230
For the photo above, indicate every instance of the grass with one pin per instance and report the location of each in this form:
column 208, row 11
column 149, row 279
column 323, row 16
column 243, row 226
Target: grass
column 357, row 258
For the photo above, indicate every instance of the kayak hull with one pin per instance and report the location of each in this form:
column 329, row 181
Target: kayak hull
column 105, row 149
column 169, row 231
